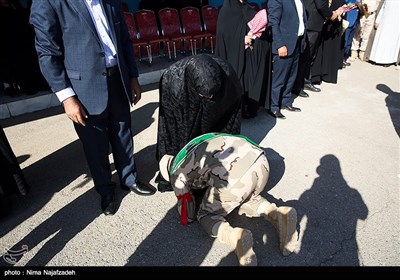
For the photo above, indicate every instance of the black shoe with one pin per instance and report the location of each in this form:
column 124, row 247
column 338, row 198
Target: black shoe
column 302, row 93
column 278, row 115
column 108, row 204
column 291, row 108
column 311, row 87
column 139, row 188
column 346, row 64
column 164, row 187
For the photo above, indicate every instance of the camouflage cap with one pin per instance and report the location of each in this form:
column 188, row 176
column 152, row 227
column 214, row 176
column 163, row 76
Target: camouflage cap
column 165, row 166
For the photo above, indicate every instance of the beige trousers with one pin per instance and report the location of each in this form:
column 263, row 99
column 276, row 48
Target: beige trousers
column 363, row 32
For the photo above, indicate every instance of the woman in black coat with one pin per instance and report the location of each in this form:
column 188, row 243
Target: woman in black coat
column 252, row 65
column 198, row 94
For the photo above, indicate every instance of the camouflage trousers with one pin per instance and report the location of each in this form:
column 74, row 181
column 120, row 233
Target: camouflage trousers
column 217, row 203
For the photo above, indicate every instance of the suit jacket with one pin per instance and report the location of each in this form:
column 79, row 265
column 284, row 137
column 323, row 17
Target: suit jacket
column 71, row 54
column 318, row 12
column 284, row 23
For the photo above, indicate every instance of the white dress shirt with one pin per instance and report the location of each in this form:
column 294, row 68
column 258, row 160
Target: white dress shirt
column 299, row 8
column 103, row 30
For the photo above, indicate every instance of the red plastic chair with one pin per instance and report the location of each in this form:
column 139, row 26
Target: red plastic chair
column 136, row 42
column 171, row 28
column 210, row 17
column 191, row 23
column 148, row 30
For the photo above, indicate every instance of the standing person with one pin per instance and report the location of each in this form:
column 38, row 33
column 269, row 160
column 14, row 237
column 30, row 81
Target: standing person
column 198, row 94
column 19, row 68
column 252, row 65
column 318, row 12
column 353, row 17
column 386, row 45
column 364, row 29
column 12, row 179
column 373, row 33
column 87, row 58
column 329, row 57
column 287, row 19
column 233, row 171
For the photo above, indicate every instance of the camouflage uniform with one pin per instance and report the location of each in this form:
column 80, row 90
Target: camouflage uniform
column 234, row 170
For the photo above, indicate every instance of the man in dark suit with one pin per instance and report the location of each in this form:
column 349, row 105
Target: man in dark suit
column 86, row 56
column 318, row 12
column 287, row 22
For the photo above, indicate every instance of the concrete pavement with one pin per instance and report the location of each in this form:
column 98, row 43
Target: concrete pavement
column 337, row 162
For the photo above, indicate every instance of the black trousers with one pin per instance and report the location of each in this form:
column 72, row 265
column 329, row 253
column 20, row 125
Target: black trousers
column 306, row 60
column 112, row 127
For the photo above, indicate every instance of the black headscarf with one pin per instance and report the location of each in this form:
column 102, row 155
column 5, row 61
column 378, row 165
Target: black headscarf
column 198, row 94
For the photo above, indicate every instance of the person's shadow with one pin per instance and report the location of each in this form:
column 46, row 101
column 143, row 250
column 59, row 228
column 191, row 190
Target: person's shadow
column 328, row 213
column 46, row 178
column 173, row 244
column 258, row 128
column 393, row 105
column 59, row 229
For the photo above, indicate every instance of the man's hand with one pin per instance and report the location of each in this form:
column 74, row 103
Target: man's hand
column 282, row 51
column 74, row 110
column 136, row 90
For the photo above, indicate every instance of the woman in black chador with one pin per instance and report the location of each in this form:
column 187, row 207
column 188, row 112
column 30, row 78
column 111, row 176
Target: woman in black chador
column 252, row 65
column 198, row 94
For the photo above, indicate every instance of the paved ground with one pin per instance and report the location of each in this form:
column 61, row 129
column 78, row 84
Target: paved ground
column 337, row 162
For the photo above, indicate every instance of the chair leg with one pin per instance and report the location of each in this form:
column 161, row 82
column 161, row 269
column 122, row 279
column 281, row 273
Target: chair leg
column 140, row 53
column 174, row 45
column 195, row 46
column 148, row 47
column 191, row 46
column 169, row 51
column 183, row 46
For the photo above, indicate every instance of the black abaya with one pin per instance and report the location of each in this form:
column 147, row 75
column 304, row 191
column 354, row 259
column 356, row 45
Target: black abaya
column 329, row 57
column 198, row 94
column 252, row 65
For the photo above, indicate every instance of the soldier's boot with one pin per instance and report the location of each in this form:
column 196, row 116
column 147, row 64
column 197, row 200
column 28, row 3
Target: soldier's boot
column 284, row 219
column 354, row 55
column 361, row 55
column 239, row 240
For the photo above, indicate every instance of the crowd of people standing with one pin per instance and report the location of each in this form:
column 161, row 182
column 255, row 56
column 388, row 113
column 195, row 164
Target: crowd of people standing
column 305, row 43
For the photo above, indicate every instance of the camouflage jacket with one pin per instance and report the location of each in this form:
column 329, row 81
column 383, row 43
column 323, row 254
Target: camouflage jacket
column 212, row 159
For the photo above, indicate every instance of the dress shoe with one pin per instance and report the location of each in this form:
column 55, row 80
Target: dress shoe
column 139, row 188
column 278, row 115
column 311, row 87
column 291, row 108
column 108, row 204
column 164, row 187
column 302, row 93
